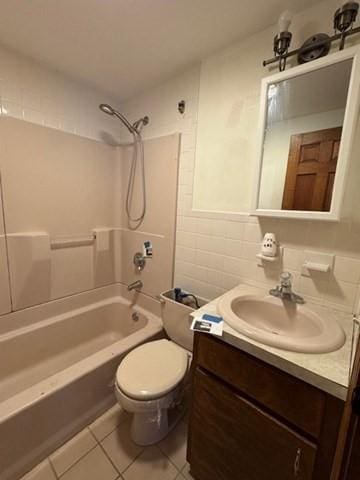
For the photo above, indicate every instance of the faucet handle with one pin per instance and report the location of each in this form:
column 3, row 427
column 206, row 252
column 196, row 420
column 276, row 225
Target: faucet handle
column 285, row 278
column 139, row 261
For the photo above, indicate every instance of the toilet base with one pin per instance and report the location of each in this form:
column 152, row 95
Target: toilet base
column 152, row 420
column 148, row 428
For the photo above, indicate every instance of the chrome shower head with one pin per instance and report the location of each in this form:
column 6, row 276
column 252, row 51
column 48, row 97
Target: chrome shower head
column 109, row 110
column 104, row 107
column 135, row 129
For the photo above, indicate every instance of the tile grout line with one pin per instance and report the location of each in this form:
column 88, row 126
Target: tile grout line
column 172, row 463
column 98, row 443
column 167, row 456
column 108, row 434
column 137, row 456
column 78, row 460
column 162, row 453
column 53, row 468
column 105, row 453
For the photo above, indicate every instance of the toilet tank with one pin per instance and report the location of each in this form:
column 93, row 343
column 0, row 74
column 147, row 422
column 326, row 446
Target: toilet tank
column 176, row 320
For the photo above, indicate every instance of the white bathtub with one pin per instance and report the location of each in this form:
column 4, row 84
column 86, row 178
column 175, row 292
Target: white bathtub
column 57, row 367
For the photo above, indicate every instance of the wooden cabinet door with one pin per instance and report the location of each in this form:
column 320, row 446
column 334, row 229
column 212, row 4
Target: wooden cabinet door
column 347, row 456
column 353, row 466
column 311, row 170
column 231, row 439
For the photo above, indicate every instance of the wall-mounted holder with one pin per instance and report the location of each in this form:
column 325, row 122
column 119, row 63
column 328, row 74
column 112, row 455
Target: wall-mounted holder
column 181, row 107
column 147, row 249
column 269, row 245
column 316, row 262
column 261, row 258
column 270, row 249
column 317, row 267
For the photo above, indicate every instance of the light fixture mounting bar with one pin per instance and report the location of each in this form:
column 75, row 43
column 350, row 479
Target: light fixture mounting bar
column 334, row 38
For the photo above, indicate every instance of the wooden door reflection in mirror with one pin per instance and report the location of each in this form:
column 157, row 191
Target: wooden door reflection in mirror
column 311, row 170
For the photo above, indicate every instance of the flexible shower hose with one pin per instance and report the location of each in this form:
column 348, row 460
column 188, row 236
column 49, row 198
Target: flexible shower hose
column 137, row 156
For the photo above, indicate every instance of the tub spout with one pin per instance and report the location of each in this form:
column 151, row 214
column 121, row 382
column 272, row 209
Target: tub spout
column 135, row 285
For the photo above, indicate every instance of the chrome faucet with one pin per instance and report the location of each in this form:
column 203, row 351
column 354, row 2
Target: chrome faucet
column 137, row 285
column 284, row 290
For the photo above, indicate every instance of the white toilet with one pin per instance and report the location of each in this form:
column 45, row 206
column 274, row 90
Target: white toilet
column 151, row 379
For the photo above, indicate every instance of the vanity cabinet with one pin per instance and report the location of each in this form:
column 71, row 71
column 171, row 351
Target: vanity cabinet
column 251, row 421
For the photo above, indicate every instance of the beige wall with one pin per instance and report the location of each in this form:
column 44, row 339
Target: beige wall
column 5, row 299
column 55, row 185
column 161, row 173
column 58, row 186
column 55, row 181
column 214, row 251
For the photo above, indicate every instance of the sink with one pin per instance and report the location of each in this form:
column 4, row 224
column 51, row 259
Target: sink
column 281, row 324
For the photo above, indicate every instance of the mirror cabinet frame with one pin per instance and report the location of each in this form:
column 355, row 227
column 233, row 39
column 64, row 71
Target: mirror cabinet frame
column 347, row 138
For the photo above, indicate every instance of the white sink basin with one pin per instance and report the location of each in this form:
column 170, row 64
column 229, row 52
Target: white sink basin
column 281, row 324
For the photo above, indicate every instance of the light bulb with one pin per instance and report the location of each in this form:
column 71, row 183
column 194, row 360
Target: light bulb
column 285, row 21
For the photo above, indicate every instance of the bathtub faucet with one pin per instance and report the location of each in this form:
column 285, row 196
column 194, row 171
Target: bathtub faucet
column 135, row 285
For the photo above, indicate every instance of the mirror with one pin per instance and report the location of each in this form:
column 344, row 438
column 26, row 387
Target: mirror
column 304, row 139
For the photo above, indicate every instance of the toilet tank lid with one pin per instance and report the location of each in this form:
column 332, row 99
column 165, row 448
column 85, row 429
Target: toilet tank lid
column 152, row 370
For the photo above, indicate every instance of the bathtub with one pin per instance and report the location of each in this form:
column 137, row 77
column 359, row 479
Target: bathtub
column 57, row 369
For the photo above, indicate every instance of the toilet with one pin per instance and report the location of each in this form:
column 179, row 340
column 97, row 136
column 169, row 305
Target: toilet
column 151, row 379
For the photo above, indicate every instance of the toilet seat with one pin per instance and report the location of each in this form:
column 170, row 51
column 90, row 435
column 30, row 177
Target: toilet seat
column 152, row 370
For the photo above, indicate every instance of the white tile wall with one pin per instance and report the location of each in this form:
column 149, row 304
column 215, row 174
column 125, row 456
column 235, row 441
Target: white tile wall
column 212, row 263
column 34, row 93
column 215, row 252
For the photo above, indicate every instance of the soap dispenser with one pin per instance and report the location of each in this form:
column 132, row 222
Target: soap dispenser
column 269, row 245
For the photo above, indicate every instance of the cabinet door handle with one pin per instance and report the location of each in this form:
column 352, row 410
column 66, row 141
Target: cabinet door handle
column 297, row 462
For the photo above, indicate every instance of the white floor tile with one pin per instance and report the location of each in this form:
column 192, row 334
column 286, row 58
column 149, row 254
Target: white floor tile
column 72, row 451
column 186, row 472
column 42, row 472
column 94, row 466
column 174, row 445
column 152, row 464
column 120, row 447
column 108, row 422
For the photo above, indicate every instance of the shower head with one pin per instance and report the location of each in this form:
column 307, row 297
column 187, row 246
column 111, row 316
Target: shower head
column 135, row 128
column 109, row 110
column 104, row 107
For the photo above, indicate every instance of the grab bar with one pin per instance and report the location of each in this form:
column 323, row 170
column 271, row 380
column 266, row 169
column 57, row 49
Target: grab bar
column 69, row 242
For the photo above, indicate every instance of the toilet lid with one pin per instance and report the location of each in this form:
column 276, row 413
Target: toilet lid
column 152, row 370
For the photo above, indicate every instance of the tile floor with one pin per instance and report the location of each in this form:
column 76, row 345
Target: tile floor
column 104, row 450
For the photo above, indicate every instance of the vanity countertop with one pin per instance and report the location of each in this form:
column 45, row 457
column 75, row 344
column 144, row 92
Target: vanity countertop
column 327, row 371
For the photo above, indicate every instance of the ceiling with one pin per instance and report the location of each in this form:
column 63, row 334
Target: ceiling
column 126, row 46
